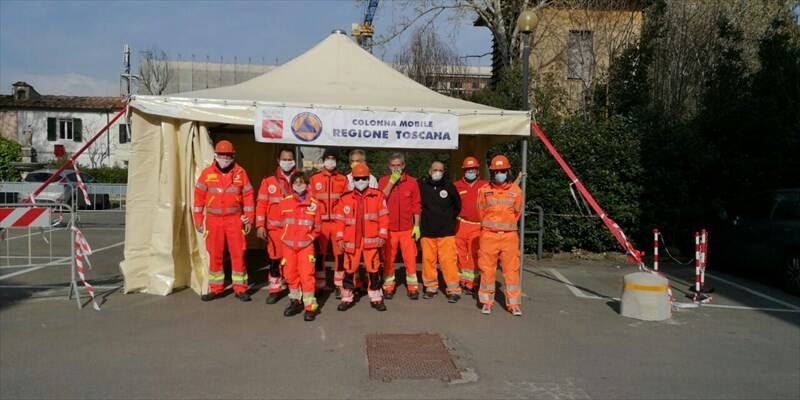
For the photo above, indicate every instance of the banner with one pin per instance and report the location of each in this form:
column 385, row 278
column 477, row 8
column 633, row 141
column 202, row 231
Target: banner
column 356, row 128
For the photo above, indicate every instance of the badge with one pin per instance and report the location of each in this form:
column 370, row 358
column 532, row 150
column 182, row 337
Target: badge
column 347, row 209
column 443, row 194
column 512, row 194
column 312, row 207
column 272, row 189
column 318, row 186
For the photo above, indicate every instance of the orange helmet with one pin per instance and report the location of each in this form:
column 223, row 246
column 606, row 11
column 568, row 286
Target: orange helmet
column 499, row 163
column 470, row 162
column 224, row 147
column 360, row 171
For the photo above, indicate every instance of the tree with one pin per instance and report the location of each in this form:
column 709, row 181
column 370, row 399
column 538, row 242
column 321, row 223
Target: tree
column 430, row 61
column 154, row 71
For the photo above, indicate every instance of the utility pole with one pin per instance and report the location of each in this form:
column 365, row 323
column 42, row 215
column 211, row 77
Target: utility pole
column 126, row 75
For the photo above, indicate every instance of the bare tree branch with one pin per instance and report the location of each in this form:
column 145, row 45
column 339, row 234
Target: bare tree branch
column 154, row 71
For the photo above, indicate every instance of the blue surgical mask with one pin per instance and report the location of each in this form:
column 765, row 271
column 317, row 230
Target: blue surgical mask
column 500, row 177
column 471, row 176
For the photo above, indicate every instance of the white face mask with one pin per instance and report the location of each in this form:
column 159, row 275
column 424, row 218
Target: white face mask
column 223, row 161
column 471, row 176
column 287, row 165
column 329, row 164
column 500, row 177
column 300, row 188
column 437, row 175
column 361, row 185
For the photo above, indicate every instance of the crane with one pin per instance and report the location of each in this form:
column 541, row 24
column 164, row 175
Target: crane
column 363, row 32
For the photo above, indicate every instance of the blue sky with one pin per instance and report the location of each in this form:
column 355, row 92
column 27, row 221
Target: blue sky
column 74, row 47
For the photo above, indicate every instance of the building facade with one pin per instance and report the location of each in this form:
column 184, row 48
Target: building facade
column 60, row 125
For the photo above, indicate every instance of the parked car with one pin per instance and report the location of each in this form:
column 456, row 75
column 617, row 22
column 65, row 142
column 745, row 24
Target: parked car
column 65, row 189
column 762, row 237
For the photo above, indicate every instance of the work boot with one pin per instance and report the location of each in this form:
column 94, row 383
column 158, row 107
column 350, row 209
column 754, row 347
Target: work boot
column 453, row 298
column 273, row 297
column 295, row 307
column 487, row 309
column 515, row 311
column 413, row 295
column 388, row 294
column 379, row 305
column 209, row 296
column 310, row 315
column 428, row 295
column 243, row 297
column 344, row 306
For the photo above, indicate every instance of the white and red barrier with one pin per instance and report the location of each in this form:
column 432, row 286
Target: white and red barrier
column 82, row 253
column 701, row 292
column 24, row 217
column 656, row 236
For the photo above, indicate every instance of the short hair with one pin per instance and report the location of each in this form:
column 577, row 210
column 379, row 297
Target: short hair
column 285, row 149
column 360, row 152
column 444, row 166
column 299, row 174
column 398, row 156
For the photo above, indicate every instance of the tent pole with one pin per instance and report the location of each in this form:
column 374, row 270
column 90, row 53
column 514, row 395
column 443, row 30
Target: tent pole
column 524, row 148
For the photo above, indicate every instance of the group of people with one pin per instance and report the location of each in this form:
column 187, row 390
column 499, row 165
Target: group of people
column 465, row 227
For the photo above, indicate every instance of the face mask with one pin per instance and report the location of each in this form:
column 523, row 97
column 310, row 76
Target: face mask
column 361, row 185
column 437, row 175
column 330, row 165
column 287, row 165
column 471, row 176
column 299, row 189
column 223, row 162
column 398, row 169
column 500, row 177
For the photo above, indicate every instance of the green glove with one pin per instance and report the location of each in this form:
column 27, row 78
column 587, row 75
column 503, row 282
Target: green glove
column 415, row 233
column 395, row 177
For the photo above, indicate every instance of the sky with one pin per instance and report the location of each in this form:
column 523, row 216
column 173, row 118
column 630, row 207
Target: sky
column 75, row 47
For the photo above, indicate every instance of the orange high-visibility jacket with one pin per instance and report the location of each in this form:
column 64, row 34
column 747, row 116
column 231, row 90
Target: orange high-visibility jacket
column 362, row 218
column 328, row 188
column 222, row 193
column 272, row 190
column 469, row 198
column 300, row 219
column 500, row 206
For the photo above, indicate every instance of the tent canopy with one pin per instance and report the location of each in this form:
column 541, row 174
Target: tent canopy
column 336, row 73
column 172, row 143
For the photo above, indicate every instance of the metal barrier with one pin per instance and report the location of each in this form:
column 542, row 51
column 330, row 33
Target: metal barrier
column 539, row 232
column 24, row 221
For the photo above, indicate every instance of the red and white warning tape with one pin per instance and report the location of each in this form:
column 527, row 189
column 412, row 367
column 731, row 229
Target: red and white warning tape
column 82, row 253
column 81, row 185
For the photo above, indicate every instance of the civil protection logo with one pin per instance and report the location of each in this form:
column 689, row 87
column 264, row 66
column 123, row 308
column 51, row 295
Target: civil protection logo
column 306, row 126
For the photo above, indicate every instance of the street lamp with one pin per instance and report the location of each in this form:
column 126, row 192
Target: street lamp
column 526, row 23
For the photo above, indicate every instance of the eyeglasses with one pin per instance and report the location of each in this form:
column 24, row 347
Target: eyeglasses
column 361, row 178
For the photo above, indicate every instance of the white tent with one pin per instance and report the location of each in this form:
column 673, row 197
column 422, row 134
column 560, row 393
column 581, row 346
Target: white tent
column 172, row 142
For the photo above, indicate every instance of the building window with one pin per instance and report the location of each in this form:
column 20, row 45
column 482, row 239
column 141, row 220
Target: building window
column 65, row 130
column 580, row 55
column 124, row 133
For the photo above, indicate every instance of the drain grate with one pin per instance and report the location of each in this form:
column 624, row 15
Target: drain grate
column 409, row 356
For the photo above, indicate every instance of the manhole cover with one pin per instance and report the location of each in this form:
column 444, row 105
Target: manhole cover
column 409, row 356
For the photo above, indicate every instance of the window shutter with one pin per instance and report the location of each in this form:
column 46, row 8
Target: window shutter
column 77, row 130
column 51, row 129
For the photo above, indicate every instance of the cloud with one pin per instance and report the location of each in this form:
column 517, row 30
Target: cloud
column 69, row 84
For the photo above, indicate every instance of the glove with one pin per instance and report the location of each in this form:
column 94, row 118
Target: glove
column 415, row 233
column 199, row 228
column 395, row 177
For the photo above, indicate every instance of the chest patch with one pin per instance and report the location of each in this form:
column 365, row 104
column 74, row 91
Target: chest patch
column 312, row 207
column 512, row 194
column 443, row 194
column 347, row 209
column 272, row 189
column 318, row 186
column 212, row 178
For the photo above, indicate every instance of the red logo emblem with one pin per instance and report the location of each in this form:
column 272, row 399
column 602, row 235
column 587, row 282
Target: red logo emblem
column 272, row 129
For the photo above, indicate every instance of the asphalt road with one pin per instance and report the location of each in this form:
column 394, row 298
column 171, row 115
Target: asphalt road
column 570, row 344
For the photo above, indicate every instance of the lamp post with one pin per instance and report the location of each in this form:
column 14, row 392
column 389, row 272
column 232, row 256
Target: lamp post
column 526, row 22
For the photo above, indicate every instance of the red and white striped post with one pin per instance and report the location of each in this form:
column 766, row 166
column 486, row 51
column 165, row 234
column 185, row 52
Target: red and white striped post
column 703, row 255
column 697, row 262
column 655, row 249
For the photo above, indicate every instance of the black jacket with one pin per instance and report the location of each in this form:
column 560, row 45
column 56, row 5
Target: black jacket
column 441, row 205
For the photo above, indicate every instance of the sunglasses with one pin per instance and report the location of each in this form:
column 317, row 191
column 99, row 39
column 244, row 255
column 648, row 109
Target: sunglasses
column 361, row 179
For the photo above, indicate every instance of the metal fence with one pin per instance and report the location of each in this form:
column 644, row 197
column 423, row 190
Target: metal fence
column 538, row 232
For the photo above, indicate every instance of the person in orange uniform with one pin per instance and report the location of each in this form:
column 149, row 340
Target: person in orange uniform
column 499, row 206
column 300, row 216
column 327, row 186
column 469, row 226
column 403, row 198
column 268, row 223
column 362, row 229
column 440, row 208
column 224, row 192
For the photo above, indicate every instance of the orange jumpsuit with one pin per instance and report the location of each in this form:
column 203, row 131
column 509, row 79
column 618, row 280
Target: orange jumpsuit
column 362, row 224
column 224, row 196
column 468, row 231
column 272, row 190
column 500, row 207
column 301, row 226
column 327, row 187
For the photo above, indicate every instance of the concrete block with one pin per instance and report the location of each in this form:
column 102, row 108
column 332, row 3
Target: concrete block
column 645, row 297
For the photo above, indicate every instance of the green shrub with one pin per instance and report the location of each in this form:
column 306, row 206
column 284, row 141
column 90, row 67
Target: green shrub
column 9, row 152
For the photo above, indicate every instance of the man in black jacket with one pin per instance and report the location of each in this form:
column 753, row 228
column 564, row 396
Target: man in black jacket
column 441, row 205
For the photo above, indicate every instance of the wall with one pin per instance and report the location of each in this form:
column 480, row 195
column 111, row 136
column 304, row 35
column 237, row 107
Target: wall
column 8, row 125
column 92, row 121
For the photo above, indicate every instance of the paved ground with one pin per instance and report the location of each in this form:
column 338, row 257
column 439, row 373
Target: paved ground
column 571, row 343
